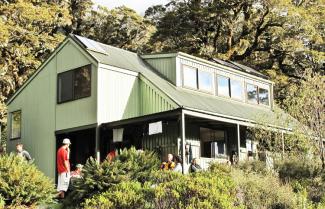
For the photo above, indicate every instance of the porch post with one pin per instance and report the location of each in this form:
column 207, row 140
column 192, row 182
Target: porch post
column 238, row 141
column 183, row 139
column 97, row 149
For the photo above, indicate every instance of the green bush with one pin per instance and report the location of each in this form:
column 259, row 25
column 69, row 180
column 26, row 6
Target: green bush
column 297, row 168
column 303, row 174
column 21, row 183
column 199, row 190
column 258, row 191
column 172, row 190
column 129, row 165
column 125, row 195
column 255, row 166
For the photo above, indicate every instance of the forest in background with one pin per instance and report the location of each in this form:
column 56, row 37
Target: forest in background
column 280, row 38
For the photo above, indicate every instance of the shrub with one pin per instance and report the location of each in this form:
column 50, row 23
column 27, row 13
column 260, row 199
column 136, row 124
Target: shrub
column 129, row 165
column 21, row 183
column 125, row 195
column 172, row 190
column 303, row 174
column 198, row 190
column 255, row 166
column 298, row 168
column 258, row 191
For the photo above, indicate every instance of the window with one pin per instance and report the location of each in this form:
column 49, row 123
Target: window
column 223, row 86
column 205, row 81
column 74, row 84
column 251, row 93
column 189, row 77
column 236, row 89
column 82, row 84
column 213, row 143
column 263, row 96
column 15, row 126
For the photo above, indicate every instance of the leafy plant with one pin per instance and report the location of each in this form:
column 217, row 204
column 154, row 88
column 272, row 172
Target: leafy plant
column 125, row 195
column 129, row 165
column 22, row 183
column 258, row 191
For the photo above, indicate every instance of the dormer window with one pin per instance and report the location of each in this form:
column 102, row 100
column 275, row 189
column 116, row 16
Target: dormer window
column 236, row 87
column 189, row 77
column 223, row 86
column 263, row 96
column 251, row 91
column 205, row 81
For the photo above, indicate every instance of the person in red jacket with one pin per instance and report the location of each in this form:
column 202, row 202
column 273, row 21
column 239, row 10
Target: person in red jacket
column 63, row 166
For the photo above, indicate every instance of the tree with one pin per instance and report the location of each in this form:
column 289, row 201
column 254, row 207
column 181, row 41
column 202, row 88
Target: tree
column 121, row 27
column 306, row 102
column 28, row 33
column 279, row 38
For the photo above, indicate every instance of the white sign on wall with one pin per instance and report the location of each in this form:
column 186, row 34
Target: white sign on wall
column 118, row 135
column 155, row 128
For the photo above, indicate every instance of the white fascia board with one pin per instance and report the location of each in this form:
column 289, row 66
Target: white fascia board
column 117, row 69
column 158, row 55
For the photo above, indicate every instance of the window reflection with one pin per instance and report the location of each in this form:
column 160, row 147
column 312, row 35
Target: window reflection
column 189, row 77
column 252, row 93
column 205, row 81
column 223, row 86
column 263, row 95
column 236, row 89
column 15, row 125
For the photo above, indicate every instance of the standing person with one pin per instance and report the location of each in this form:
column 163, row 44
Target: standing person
column 63, row 166
column 23, row 153
column 112, row 154
column 169, row 165
column 195, row 167
column 178, row 161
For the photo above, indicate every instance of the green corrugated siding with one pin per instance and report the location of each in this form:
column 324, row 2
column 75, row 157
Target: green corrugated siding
column 153, row 100
column 37, row 104
column 165, row 66
column 42, row 116
column 82, row 111
column 165, row 142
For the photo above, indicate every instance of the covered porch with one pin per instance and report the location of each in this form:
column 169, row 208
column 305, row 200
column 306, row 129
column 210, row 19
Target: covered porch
column 187, row 133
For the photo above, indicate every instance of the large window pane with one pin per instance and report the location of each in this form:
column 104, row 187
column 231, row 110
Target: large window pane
column 251, row 93
column 205, row 81
column 74, row 84
column 236, row 89
column 189, row 77
column 15, row 125
column 263, row 96
column 82, row 84
column 223, row 86
column 65, row 88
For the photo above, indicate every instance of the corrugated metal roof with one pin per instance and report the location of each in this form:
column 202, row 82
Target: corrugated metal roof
column 184, row 98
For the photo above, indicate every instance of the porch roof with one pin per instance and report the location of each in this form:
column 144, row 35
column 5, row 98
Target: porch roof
column 186, row 99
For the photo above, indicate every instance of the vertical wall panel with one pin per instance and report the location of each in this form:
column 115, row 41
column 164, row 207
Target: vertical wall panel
column 153, row 100
column 165, row 66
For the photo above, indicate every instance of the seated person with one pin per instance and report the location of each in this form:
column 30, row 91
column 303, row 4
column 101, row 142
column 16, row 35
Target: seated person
column 178, row 161
column 195, row 167
column 77, row 173
column 169, row 165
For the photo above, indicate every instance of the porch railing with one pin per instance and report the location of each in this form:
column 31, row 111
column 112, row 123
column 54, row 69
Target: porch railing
column 205, row 162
